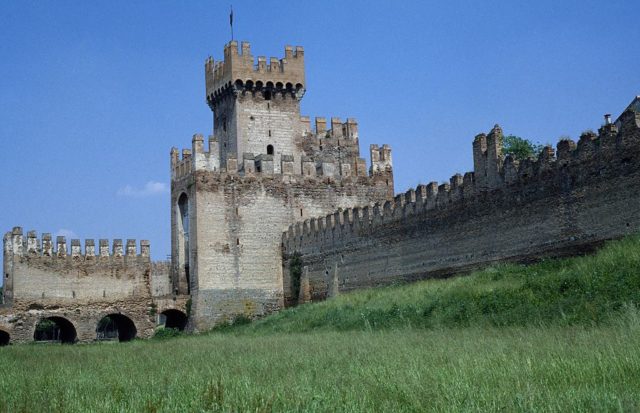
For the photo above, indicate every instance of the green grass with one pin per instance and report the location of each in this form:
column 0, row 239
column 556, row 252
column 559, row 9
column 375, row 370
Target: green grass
column 556, row 336
column 585, row 290
column 511, row 369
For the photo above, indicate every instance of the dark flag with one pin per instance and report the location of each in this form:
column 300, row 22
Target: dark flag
column 231, row 21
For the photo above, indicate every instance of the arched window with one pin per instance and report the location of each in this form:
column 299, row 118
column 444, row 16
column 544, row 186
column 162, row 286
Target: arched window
column 269, row 149
column 183, row 235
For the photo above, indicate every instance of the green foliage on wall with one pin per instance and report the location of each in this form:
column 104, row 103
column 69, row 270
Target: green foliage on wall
column 520, row 148
column 295, row 272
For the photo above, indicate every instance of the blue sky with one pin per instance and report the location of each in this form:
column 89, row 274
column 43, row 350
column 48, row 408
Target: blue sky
column 94, row 94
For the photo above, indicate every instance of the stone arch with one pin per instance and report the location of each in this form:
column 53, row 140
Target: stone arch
column 55, row 329
column 174, row 319
column 183, row 220
column 5, row 338
column 116, row 326
column 269, row 149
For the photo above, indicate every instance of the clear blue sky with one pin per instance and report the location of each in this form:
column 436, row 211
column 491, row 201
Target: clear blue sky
column 94, row 94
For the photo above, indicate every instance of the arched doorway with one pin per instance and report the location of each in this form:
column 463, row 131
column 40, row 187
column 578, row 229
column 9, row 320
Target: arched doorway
column 4, row 338
column 173, row 319
column 183, row 238
column 116, row 327
column 55, row 330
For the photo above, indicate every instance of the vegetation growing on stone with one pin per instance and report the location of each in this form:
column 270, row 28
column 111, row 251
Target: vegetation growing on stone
column 559, row 335
column 582, row 290
column 520, row 148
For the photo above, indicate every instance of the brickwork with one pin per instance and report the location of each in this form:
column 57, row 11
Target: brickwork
column 269, row 184
column 264, row 168
column 44, row 280
column 503, row 211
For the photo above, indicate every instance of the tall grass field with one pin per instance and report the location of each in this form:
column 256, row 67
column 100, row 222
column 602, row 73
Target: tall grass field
column 557, row 336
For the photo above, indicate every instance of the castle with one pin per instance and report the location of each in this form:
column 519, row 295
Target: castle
column 268, row 192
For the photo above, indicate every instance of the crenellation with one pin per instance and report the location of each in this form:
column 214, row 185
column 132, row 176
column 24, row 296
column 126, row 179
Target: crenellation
column 61, row 246
column 248, row 163
column 118, row 250
column 89, row 248
column 432, row 194
column 131, row 250
column 103, row 246
column 47, row 245
column 456, row 187
column 76, row 249
column 442, row 199
column 232, row 164
column 321, row 125
column 531, row 193
column 305, row 121
column 145, row 248
column 33, row 247
column 586, row 147
column 565, row 151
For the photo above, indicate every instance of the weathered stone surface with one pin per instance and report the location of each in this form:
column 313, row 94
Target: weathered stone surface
column 539, row 208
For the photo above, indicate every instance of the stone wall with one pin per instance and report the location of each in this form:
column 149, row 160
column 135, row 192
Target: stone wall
column 79, row 286
column 235, row 233
column 503, row 211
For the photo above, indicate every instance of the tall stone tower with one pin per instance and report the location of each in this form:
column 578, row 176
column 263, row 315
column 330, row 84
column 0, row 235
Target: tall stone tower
column 265, row 168
column 256, row 109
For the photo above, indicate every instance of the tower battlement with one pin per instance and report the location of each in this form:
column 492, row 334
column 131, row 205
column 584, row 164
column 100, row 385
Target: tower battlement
column 240, row 70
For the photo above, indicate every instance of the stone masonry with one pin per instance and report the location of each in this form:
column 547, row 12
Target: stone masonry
column 269, row 185
column 564, row 202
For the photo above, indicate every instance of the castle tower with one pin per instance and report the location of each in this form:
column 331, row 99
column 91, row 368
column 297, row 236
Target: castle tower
column 264, row 169
column 256, row 108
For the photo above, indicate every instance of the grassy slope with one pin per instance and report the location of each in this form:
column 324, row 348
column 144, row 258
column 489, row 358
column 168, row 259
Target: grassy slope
column 583, row 290
column 509, row 369
column 556, row 336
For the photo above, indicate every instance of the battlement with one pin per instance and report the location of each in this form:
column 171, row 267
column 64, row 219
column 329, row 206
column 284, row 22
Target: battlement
column 240, row 72
column 337, row 128
column 504, row 178
column 16, row 244
column 323, row 163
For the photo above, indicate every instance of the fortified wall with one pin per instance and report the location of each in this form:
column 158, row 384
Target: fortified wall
column 234, row 220
column 77, row 288
column 564, row 202
column 265, row 167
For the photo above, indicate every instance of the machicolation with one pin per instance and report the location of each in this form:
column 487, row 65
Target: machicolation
column 269, row 187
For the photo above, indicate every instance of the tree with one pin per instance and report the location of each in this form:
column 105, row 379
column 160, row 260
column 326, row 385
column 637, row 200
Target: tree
column 520, row 148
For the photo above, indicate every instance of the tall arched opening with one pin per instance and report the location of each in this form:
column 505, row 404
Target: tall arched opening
column 116, row 327
column 183, row 238
column 55, row 330
column 173, row 319
column 4, row 338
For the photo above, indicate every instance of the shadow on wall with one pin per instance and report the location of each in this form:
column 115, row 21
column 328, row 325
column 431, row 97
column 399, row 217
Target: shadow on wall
column 116, row 327
column 4, row 338
column 173, row 319
column 55, row 330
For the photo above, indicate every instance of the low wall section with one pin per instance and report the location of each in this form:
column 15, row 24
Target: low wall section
column 80, row 286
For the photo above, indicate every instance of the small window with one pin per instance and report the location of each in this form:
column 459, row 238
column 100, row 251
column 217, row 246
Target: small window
column 269, row 149
column 267, row 95
column 300, row 211
column 269, row 132
column 224, row 124
column 237, row 241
